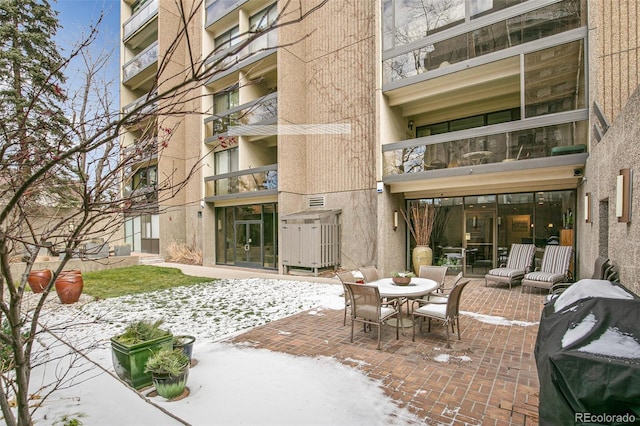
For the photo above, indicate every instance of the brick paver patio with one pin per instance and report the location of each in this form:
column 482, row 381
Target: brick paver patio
column 489, row 377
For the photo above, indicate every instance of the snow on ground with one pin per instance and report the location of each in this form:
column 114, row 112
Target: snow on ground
column 231, row 384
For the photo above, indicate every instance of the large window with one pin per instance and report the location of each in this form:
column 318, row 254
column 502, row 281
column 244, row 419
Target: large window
column 226, row 161
column 399, row 29
column 261, row 21
column 226, row 100
column 405, row 21
column 541, row 218
column 554, row 79
column 227, row 39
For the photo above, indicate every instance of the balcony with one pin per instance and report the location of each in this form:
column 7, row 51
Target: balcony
column 136, row 30
column 520, row 146
column 225, row 63
column 255, row 182
column 141, row 151
column 481, row 37
column 260, row 111
column 218, row 9
column 145, row 109
column 141, row 68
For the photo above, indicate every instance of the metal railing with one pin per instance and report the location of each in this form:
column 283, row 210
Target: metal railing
column 141, row 17
column 244, row 182
column 260, row 111
column 218, row 9
column 525, row 139
column 141, row 62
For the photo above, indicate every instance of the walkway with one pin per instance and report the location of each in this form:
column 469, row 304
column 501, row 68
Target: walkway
column 489, row 377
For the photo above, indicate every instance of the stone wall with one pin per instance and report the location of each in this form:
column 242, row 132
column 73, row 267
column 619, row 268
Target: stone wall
column 605, row 235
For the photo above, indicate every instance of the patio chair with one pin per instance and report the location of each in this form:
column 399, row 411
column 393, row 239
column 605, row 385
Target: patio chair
column 368, row 308
column 444, row 293
column 435, row 273
column 346, row 277
column 518, row 263
column 554, row 268
column 370, row 273
column 447, row 311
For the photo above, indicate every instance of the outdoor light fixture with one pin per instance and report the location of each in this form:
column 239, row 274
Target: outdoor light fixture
column 395, row 220
column 410, row 124
column 623, row 196
column 587, row 207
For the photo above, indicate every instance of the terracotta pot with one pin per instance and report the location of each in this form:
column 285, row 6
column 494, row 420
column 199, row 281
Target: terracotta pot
column 39, row 280
column 69, row 286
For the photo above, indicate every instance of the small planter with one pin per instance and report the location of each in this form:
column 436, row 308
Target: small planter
column 39, row 280
column 69, row 286
column 185, row 343
column 401, row 280
column 170, row 386
column 169, row 369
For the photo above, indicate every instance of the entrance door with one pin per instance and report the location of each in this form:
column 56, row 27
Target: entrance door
column 248, row 243
column 479, row 242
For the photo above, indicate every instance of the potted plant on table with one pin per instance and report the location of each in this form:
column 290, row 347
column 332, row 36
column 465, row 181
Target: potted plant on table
column 131, row 350
column 169, row 369
column 402, row 278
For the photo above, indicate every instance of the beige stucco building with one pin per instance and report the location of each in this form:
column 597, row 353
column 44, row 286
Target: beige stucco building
column 504, row 114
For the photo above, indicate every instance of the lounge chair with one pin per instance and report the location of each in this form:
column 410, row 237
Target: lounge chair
column 554, row 268
column 518, row 264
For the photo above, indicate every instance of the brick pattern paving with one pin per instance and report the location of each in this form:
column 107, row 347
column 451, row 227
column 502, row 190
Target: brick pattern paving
column 489, row 376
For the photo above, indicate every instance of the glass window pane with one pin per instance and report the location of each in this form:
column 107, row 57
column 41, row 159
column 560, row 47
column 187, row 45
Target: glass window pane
column 554, row 79
column 222, row 162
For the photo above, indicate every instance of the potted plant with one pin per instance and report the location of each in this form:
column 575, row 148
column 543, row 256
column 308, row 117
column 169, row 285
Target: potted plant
column 185, row 344
column 131, row 350
column 402, row 278
column 169, row 369
column 420, row 220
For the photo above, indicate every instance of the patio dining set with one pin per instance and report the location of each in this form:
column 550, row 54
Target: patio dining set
column 372, row 300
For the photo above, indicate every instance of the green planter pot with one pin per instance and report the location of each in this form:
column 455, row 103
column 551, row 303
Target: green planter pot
column 130, row 361
column 170, row 386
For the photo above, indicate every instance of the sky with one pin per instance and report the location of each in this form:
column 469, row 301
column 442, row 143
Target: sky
column 76, row 18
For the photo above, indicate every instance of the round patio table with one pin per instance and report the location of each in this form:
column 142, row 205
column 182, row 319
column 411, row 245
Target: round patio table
column 416, row 288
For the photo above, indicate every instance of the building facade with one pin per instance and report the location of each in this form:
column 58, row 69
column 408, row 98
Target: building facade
column 317, row 135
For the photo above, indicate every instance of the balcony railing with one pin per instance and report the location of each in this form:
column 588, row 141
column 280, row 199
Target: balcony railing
column 140, row 151
column 225, row 60
column 147, row 109
column 142, row 61
column 480, row 146
column 259, row 111
column 244, row 183
column 140, row 18
column 438, row 52
column 218, row 9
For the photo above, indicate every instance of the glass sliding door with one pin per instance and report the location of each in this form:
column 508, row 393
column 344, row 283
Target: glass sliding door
column 479, row 242
column 248, row 243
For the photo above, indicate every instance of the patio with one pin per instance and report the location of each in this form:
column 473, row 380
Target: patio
column 489, row 377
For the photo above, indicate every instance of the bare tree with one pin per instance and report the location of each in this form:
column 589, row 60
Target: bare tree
column 62, row 169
